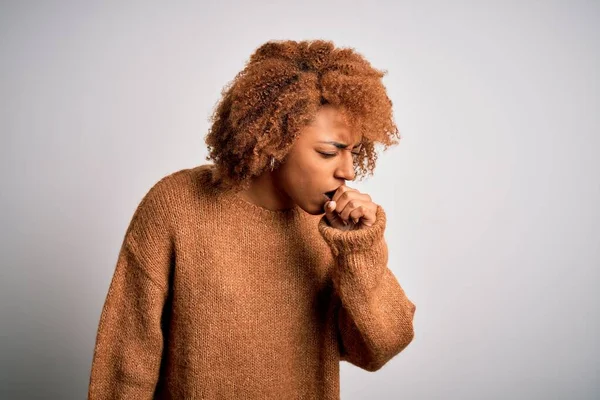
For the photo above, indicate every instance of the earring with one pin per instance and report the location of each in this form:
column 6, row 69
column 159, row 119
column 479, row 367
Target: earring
column 272, row 163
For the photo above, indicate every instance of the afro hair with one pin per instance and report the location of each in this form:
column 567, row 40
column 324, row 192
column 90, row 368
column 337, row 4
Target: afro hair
column 279, row 91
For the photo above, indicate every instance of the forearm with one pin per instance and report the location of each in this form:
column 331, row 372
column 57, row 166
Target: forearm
column 374, row 315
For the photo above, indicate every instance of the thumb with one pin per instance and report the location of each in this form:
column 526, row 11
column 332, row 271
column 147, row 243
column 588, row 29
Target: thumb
column 333, row 217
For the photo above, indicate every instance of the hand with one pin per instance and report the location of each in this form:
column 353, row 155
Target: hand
column 350, row 210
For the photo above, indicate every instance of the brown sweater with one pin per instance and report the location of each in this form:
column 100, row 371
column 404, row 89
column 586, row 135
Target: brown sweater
column 214, row 297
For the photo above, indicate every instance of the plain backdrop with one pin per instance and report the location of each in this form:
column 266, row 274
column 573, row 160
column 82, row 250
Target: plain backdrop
column 492, row 195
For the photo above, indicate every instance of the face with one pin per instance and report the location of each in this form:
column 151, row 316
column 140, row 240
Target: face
column 320, row 161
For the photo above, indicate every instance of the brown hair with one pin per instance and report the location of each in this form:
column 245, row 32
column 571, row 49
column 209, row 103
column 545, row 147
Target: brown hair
column 279, row 91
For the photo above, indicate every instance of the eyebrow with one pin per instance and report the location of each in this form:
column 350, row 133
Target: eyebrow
column 340, row 145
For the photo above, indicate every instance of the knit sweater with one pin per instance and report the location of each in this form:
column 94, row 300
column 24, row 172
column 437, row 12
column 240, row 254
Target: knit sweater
column 214, row 297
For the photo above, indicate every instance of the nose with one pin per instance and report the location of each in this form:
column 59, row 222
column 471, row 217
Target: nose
column 345, row 169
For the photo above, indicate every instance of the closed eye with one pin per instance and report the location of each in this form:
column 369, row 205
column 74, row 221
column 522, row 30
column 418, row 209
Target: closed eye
column 329, row 155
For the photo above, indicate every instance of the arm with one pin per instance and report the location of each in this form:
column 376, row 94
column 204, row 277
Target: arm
column 129, row 342
column 375, row 318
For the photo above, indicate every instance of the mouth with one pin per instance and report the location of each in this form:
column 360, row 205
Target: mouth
column 330, row 194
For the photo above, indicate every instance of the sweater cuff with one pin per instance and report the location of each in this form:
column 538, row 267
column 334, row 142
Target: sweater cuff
column 353, row 241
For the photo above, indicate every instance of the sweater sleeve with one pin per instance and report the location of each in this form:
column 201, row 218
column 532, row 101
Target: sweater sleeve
column 375, row 317
column 129, row 342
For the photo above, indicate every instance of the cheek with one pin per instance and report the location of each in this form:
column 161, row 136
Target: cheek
column 316, row 165
column 306, row 173
column 302, row 180
column 303, row 184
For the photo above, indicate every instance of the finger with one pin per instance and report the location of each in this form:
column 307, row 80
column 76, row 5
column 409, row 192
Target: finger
column 351, row 207
column 363, row 216
column 332, row 216
column 340, row 191
column 349, row 196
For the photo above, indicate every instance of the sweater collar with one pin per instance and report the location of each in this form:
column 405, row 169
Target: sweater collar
column 255, row 211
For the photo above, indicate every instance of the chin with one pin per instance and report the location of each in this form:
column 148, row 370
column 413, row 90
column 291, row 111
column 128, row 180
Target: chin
column 313, row 210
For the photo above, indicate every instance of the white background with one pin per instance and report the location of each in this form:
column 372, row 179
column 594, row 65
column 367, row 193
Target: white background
column 492, row 195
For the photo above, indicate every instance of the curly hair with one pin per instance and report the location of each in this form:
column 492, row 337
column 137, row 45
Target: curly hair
column 279, row 91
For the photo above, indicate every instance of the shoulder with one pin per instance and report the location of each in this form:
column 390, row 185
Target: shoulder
column 174, row 195
column 179, row 185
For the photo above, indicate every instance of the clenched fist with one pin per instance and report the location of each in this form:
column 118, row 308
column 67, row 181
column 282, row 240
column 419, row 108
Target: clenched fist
column 350, row 209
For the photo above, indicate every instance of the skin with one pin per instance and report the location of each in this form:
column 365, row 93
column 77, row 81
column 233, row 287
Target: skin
column 312, row 168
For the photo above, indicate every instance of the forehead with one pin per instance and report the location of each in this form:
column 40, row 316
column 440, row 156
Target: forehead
column 329, row 125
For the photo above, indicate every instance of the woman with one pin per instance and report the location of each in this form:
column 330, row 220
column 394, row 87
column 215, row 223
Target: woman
column 254, row 276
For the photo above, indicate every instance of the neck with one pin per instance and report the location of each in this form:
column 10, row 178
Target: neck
column 264, row 192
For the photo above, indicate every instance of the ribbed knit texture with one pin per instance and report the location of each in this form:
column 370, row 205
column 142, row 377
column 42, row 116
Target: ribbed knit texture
column 214, row 297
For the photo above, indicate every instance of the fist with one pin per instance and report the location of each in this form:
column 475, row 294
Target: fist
column 350, row 209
